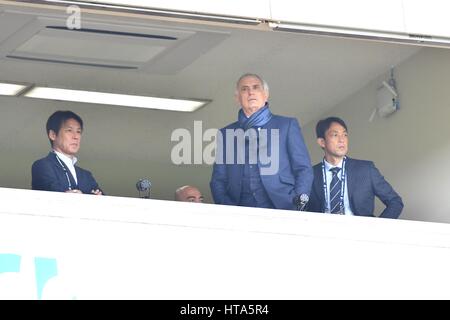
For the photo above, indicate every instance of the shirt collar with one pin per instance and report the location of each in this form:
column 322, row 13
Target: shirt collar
column 329, row 166
column 67, row 160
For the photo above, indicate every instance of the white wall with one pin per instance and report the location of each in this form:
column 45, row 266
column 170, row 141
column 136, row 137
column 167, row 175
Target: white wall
column 411, row 147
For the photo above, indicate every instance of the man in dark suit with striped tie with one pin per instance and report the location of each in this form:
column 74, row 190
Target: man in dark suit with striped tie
column 343, row 185
column 57, row 171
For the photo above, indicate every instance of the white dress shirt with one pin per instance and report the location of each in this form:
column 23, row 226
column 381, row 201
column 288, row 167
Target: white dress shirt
column 69, row 162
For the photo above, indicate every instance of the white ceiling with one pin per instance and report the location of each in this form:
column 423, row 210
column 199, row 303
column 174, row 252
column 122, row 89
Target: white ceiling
column 308, row 75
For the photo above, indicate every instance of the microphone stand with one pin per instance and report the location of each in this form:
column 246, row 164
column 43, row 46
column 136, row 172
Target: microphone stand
column 146, row 194
column 300, row 201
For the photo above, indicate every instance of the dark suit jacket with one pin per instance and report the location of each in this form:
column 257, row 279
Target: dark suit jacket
column 48, row 175
column 364, row 182
column 294, row 175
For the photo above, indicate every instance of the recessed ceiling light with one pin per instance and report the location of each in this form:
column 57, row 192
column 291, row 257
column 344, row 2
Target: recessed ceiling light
column 10, row 89
column 115, row 99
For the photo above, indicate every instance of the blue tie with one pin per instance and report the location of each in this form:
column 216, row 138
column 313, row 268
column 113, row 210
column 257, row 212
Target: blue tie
column 335, row 191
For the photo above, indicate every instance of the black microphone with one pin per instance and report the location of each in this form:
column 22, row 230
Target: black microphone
column 300, row 201
column 144, row 185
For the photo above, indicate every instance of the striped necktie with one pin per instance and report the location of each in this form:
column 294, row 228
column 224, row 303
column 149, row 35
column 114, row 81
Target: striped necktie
column 335, row 192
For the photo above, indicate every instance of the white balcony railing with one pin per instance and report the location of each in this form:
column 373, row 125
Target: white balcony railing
column 69, row 246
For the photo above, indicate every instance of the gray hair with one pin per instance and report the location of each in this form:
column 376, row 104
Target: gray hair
column 253, row 75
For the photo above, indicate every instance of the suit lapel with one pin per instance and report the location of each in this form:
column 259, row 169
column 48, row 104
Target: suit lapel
column 72, row 179
column 80, row 178
column 265, row 145
column 318, row 186
column 350, row 172
column 52, row 157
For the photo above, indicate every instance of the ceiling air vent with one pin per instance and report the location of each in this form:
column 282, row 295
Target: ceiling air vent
column 107, row 45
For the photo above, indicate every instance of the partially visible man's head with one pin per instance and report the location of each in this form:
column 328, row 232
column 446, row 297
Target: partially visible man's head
column 188, row 194
column 332, row 136
column 64, row 130
column 252, row 93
